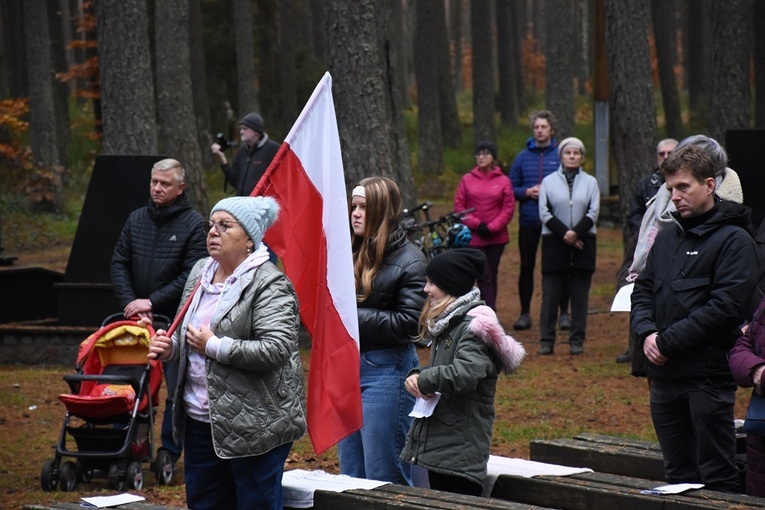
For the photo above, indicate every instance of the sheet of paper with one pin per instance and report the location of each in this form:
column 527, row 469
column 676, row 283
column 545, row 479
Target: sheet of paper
column 424, row 408
column 623, row 300
column 108, row 501
column 676, row 488
column 298, row 486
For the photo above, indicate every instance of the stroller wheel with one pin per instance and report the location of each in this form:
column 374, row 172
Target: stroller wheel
column 84, row 474
column 48, row 482
column 67, row 476
column 163, row 467
column 116, row 481
column 135, row 476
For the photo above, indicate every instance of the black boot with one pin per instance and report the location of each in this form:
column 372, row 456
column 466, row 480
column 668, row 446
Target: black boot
column 546, row 349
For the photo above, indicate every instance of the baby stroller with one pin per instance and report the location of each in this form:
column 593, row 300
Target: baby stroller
column 110, row 411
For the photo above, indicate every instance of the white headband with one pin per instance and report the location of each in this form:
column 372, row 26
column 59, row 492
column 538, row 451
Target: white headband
column 358, row 191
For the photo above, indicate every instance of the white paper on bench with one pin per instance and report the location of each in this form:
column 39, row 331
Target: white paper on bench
column 298, row 485
column 675, row 488
column 108, row 501
column 525, row 468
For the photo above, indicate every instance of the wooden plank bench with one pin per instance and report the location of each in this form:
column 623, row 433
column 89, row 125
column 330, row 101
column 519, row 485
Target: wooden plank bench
column 609, row 454
column 77, row 506
column 601, row 490
column 401, row 497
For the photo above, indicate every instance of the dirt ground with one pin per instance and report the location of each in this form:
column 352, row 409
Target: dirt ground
column 553, row 396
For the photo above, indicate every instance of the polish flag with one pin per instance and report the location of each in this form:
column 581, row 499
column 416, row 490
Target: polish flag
column 312, row 238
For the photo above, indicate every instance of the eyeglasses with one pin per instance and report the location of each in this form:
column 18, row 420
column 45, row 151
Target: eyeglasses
column 482, row 153
column 220, row 226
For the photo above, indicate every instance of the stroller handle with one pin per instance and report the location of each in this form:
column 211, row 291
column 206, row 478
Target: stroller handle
column 104, row 378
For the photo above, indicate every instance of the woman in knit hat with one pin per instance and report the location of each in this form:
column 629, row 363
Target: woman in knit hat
column 390, row 274
column 468, row 349
column 240, row 374
column 487, row 189
column 569, row 203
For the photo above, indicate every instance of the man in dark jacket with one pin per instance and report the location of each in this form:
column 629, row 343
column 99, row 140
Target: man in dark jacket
column 687, row 307
column 538, row 160
column 157, row 248
column 253, row 157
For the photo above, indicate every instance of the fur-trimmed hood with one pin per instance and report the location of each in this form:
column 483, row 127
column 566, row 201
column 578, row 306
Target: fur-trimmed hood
column 486, row 327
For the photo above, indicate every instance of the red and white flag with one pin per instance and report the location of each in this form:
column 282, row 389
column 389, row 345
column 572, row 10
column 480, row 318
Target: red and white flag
column 312, row 238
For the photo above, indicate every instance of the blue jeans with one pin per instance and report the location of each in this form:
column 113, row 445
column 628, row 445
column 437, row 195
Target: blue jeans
column 373, row 452
column 245, row 482
column 170, row 369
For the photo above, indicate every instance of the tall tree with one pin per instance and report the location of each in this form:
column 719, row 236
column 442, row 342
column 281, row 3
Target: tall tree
column 665, row 35
column 483, row 72
column 633, row 111
column 15, row 47
column 318, row 32
column 759, row 63
column 508, row 97
column 455, row 24
column 730, row 95
column 368, row 131
column 127, row 86
column 697, row 55
column 42, row 111
column 518, row 18
column 247, row 78
column 451, row 128
column 175, row 100
column 60, row 89
column 287, row 41
column 199, row 83
column 559, row 60
column 430, row 150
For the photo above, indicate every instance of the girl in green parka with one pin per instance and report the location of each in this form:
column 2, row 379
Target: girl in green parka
column 468, row 349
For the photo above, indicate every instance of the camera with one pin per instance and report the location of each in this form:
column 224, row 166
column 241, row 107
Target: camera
column 224, row 144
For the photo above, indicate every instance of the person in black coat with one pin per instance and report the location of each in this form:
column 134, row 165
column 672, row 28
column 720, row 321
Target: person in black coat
column 687, row 307
column 158, row 246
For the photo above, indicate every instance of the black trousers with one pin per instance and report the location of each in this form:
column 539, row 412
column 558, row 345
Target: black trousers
column 528, row 243
column 455, row 484
column 487, row 282
column 694, row 423
column 574, row 283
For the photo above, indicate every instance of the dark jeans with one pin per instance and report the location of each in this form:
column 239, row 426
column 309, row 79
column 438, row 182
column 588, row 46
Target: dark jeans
column 528, row 242
column 170, row 369
column 575, row 283
column 694, row 424
column 244, row 482
column 455, row 484
column 487, row 282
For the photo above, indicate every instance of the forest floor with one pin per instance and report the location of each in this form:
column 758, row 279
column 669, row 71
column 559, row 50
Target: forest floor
column 549, row 397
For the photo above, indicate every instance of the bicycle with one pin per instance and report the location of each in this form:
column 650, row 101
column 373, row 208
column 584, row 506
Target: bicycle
column 442, row 234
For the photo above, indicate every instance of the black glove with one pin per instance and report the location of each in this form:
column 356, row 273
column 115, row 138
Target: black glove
column 483, row 230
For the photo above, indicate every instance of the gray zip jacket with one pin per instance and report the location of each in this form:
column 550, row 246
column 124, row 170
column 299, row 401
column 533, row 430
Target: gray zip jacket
column 570, row 207
column 255, row 387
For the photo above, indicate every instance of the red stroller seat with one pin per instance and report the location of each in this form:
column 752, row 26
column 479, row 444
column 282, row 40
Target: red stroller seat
column 118, row 349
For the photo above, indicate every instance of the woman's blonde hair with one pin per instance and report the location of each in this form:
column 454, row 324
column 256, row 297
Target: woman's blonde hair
column 432, row 310
column 382, row 218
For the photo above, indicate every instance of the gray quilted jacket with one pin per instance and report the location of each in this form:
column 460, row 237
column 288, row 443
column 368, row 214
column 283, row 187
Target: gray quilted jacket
column 256, row 393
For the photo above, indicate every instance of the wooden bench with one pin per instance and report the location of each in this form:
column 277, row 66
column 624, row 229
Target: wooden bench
column 609, row 454
column 589, row 491
column 400, row 497
column 77, row 506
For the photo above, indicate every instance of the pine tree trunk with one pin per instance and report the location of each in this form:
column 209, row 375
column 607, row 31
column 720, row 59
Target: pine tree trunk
column 559, row 59
column 697, row 53
column 730, row 95
column 127, row 87
column 175, row 102
column 430, row 150
column 508, row 104
column 15, row 47
column 451, row 127
column 60, row 89
column 483, row 72
column 518, row 18
column 633, row 111
column 759, row 63
column 287, row 38
column 247, row 79
column 199, row 84
column 665, row 36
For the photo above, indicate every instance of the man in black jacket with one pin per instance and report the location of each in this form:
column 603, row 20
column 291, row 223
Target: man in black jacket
column 687, row 307
column 253, row 157
column 157, row 248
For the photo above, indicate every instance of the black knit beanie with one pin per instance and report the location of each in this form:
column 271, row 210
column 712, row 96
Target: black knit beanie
column 455, row 271
column 253, row 121
column 486, row 145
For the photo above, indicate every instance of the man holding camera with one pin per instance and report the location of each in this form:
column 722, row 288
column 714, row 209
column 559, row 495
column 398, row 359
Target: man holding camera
column 252, row 158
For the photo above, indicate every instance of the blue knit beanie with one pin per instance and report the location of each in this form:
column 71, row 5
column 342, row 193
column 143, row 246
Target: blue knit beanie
column 254, row 214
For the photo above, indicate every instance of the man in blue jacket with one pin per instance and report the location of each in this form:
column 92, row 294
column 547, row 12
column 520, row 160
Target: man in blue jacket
column 531, row 165
column 157, row 248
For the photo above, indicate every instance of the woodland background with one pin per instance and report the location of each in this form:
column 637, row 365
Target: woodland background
column 416, row 83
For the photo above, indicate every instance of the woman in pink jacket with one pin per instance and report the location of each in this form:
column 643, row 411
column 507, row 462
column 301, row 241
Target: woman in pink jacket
column 489, row 191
